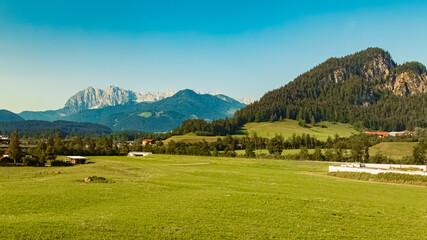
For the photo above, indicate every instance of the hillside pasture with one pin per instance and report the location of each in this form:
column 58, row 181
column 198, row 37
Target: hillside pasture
column 187, row 197
column 395, row 150
column 288, row 127
column 190, row 138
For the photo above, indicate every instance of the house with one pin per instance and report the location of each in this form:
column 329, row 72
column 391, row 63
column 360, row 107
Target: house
column 403, row 133
column 148, row 142
column 4, row 140
column 76, row 159
column 138, row 154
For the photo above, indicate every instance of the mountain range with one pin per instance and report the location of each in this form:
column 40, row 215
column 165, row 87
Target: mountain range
column 122, row 109
column 366, row 89
column 8, row 116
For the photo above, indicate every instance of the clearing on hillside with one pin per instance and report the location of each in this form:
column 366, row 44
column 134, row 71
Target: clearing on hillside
column 393, row 150
column 191, row 138
column 177, row 197
column 288, row 127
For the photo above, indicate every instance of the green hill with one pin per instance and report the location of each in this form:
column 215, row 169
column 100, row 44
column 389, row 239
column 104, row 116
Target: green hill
column 367, row 89
column 190, row 138
column 288, row 127
column 8, row 116
column 35, row 128
column 393, row 150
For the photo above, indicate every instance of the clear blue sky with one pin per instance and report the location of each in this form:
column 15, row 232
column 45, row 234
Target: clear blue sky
column 49, row 50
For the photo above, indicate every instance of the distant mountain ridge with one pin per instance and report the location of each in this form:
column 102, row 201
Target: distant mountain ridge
column 35, row 128
column 95, row 98
column 126, row 110
column 8, row 116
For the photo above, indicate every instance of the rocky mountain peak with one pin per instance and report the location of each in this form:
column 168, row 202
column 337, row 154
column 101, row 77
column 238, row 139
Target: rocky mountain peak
column 367, row 64
column 94, row 98
column 408, row 79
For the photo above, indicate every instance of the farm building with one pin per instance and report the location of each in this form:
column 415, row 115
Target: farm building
column 76, row 159
column 380, row 134
column 138, row 154
column 148, row 142
column 4, row 140
column 393, row 134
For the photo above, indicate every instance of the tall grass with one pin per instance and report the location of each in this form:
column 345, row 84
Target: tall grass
column 384, row 177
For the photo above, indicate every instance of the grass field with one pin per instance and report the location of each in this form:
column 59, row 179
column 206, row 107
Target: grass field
column 285, row 151
column 164, row 197
column 288, row 127
column 190, row 138
column 393, row 150
column 269, row 129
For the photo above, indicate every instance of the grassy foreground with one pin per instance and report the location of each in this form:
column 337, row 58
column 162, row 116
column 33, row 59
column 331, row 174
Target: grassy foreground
column 163, row 197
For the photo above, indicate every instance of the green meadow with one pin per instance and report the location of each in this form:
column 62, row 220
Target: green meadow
column 191, row 138
column 186, row 197
column 395, row 150
column 288, row 127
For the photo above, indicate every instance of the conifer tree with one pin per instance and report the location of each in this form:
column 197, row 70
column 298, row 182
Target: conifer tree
column 15, row 151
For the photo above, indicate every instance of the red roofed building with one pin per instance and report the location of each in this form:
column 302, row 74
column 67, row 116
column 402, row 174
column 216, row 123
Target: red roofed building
column 380, row 134
column 148, row 141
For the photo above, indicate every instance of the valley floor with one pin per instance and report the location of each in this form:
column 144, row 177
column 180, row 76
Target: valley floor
column 163, row 197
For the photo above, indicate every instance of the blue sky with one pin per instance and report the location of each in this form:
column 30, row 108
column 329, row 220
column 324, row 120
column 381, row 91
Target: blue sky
column 49, row 50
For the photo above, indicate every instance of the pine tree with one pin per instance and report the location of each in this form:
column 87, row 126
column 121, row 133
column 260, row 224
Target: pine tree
column 419, row 152
column 15, row 151
column 317, row 155
column 250, row 150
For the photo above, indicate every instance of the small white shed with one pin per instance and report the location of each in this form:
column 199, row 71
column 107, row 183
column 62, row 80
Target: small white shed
column 139, row 154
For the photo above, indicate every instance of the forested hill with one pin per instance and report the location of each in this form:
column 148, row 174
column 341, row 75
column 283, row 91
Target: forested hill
column 36, row 128
column 367, row 89
column 8, row 116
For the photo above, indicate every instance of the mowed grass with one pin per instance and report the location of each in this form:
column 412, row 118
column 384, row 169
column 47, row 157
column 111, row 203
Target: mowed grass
column 395, row 150
column 184, row 197
column 288, row 127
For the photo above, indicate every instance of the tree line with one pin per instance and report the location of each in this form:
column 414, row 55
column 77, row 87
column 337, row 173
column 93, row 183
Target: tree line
column 337, row 149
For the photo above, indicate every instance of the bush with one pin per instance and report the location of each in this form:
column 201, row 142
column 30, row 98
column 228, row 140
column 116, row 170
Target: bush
column 32, row 162
column 60, row 163
column 380, row 158
column 96, row 179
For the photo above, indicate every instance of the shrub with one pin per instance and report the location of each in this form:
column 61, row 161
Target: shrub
column 32, row 162
column 96, row 179
column 60, row 163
